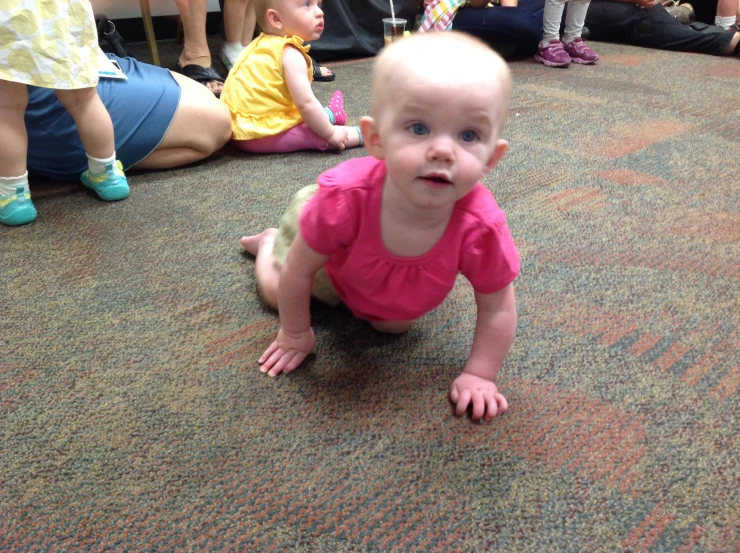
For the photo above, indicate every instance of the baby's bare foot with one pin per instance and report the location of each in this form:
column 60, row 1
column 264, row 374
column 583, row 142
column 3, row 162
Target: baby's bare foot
column 253, row 243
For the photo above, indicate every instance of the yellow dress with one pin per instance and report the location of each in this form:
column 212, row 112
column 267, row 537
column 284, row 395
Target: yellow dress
column 256, row 92
column 48, row 43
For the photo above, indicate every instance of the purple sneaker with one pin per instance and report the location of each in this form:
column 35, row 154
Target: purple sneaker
column 580, row 53
column 552, row 54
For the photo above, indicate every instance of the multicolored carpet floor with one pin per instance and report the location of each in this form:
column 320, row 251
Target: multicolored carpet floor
column 133, row 417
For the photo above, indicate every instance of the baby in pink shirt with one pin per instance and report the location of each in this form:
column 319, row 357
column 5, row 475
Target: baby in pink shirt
column 388, row 234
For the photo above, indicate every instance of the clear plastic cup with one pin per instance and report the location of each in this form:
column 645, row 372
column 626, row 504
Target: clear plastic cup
column 393, row 29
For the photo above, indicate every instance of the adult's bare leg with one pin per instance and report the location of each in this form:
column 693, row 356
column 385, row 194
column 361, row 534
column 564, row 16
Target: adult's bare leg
column 195, row 48
column 201, row 126
column 733, row 43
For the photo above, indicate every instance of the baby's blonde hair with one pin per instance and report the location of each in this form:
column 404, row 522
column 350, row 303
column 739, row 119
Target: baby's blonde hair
column 260, row 10
column 447, row 56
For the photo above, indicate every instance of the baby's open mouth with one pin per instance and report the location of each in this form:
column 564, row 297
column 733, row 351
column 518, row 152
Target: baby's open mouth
column 437, row 179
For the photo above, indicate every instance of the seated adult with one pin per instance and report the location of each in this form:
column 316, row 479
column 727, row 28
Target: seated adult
column 160, row 119
column 513, row 29
column 516, row 31
column 647, row 23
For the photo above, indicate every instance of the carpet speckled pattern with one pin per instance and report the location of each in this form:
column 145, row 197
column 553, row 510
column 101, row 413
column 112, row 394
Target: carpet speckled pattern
column 133, row 417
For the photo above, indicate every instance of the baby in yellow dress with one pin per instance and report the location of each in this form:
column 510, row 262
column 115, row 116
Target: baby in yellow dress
column 268, row 91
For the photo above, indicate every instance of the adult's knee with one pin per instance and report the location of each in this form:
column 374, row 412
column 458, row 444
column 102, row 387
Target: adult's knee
column 214, row 127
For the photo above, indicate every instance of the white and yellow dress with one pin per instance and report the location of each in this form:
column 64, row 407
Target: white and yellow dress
column 48, row 43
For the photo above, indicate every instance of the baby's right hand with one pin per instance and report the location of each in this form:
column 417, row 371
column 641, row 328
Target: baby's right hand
column 339, row 139
column 287, row 352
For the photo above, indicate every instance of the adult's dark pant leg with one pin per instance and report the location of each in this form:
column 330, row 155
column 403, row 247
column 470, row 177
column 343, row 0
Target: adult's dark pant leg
column 513, row 32
column 614, row 21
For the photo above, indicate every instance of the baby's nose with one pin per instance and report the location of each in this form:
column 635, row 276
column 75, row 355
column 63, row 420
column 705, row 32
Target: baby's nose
column 442, row 147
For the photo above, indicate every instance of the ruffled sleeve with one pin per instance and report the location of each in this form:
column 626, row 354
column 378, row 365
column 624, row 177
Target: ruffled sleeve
column 490, row 261
column 297, row 42
column 327, row 220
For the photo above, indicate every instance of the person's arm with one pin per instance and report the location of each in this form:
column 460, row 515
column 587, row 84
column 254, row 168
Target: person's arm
column 484, row 3
column 296, row 77
column 295, row 340
column 494, row 333
column 641, row 3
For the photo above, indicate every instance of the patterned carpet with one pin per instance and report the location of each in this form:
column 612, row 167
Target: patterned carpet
column 133, row 418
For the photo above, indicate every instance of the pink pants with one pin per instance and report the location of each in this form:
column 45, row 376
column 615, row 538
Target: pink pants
column 300, row 137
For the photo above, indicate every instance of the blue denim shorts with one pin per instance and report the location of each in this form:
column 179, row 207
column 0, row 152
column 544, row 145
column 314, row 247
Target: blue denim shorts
column 141, row 108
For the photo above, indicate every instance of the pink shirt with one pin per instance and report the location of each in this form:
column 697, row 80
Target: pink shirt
column 342, row 220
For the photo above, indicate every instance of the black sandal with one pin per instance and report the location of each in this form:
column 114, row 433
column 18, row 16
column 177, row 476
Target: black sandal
column 201, row 74
column 317, row 76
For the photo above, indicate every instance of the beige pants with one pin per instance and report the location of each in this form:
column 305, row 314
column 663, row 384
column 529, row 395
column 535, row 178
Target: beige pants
column 288, row 230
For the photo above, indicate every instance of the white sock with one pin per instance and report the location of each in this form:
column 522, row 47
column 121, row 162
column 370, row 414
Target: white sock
column 232, row 50
column 724, row 22
column 8, row 185
column 97, row 166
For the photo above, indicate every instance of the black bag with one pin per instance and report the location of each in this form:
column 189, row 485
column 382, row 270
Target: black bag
column 109, row 39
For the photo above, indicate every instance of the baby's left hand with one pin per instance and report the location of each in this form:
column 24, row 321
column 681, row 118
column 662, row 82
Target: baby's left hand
column 483, row 395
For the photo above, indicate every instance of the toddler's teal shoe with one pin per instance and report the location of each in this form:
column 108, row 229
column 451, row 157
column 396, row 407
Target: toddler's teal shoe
column 17, row 209
column 109, row 186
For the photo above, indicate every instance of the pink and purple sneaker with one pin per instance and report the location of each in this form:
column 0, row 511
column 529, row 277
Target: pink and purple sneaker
column 552, row 54
column 580, row 53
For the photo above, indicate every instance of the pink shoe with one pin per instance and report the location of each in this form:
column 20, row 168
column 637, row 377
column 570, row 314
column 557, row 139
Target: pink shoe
column 580, row 53
column 552, row 54
column 336, row 106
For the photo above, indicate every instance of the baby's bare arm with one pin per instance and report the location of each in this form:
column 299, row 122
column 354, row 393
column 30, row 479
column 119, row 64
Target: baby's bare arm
column 295, row 340
column 494, row 333
column 296, row 77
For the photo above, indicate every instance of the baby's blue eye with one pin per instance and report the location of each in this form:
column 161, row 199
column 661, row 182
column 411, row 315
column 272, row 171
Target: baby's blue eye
column 469, row 136
column 419, row 129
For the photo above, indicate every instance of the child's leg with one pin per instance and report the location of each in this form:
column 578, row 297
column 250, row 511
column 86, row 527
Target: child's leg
column 92, row 120
column 15, row 199
column 13, row 136
column 300, row 137
column 250, row 23
column 268, row 273
column 551, row 17
column 726, row 13
column 550, row 51
column 575, row 19
column 574, row 45
column 234, row 14
column 95, row 127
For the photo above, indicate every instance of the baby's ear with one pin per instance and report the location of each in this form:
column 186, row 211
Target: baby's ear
column 371, row 138
column 502, row 146
column 273, row 18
